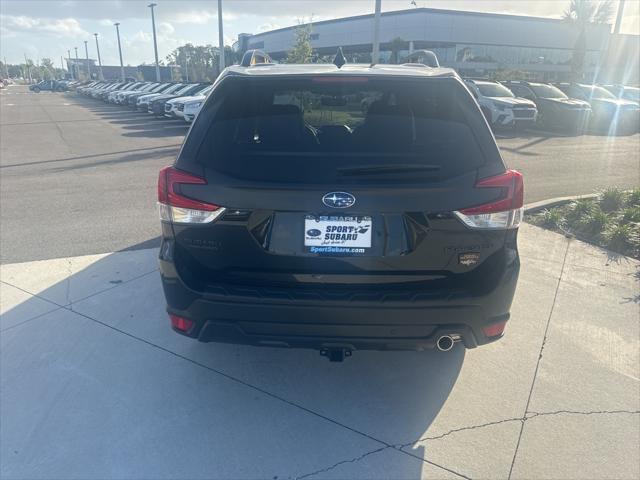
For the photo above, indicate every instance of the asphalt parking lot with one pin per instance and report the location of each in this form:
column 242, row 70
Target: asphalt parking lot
column 95, row 384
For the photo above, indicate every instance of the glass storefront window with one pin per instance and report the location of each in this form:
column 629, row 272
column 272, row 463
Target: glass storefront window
column 515, row 55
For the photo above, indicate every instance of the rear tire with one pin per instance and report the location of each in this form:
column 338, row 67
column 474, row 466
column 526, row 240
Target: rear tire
column 36, row 90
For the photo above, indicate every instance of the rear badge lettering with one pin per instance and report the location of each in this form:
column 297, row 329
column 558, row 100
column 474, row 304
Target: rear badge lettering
column 468, row 259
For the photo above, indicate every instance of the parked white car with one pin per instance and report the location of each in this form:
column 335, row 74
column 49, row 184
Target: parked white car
column 500, row 106
column 191, row 109
column 174, row 108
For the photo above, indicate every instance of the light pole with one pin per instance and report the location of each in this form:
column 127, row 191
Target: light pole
column 86, row 53
column 220, row 36
column 376, row 34
column 155, row 42
column 69, row 65
column 616, row 28
column 120, row 51
column 99, row 60
column 77, row 69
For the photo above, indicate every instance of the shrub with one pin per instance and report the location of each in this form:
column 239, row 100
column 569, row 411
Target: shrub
column 624, row 238
column 551, row 218
column 633, row 199
column 611, row 199
column 594, row 223
column 579, row 209
column 630, row 215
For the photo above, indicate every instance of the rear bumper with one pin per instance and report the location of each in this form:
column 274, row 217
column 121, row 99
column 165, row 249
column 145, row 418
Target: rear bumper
column 263, row 317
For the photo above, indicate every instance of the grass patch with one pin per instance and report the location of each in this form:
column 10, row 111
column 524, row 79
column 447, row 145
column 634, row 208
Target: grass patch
column 612, row 220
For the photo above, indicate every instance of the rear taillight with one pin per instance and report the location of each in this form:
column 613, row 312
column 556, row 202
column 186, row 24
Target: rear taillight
column 494, row 329
column 175, row 207
column 505, row 212
column 180, row 323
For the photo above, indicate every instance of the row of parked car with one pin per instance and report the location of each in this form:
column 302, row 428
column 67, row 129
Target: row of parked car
column 564, row 107
column 172, row 100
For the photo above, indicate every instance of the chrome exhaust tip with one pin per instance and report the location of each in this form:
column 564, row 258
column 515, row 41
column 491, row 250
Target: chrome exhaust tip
column 445, row 343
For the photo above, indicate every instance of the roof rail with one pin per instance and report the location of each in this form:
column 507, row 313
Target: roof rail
column 255, row 57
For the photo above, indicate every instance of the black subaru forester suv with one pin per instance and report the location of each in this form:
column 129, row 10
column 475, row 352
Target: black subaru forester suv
column 362, row 207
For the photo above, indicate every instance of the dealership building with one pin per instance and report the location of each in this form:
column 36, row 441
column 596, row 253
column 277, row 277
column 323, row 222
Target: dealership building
column 475, row 44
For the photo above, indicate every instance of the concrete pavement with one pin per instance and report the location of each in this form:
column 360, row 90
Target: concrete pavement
column 95, row 385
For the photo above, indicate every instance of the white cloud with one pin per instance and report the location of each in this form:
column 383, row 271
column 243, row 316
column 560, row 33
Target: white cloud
column 198, row 17
column 165, row 29
column 106, row 22
column 57, row 27
column 265, row 27
column 138, row 37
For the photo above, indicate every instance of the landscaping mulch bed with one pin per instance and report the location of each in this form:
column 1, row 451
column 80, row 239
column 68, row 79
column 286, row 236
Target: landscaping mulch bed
column 611, row 221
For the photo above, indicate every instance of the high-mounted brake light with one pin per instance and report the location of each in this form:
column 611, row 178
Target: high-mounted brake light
column 177, row 208
column 340, row 79
column 505, row 212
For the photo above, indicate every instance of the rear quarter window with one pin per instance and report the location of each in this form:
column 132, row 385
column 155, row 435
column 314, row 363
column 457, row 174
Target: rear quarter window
column 341, row 130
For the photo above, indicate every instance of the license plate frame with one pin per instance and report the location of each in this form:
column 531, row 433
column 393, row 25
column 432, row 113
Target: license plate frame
column 338, row 234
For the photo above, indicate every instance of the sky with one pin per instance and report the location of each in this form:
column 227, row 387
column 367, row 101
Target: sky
column 48, row 28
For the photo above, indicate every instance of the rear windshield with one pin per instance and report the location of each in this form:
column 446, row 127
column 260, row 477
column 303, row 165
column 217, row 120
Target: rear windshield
column 594, row 91
column 331, row 129
column 494, row 90
column 547, row 91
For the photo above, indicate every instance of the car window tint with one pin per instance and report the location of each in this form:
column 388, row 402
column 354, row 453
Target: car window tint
column 308, row 130
column 547, row 91
column 494, row 90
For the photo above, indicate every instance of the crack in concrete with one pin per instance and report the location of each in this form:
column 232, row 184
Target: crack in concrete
column 461, row 429
column 399, row 447
column 342, row 462
column 576, row 412
column 529, row 416
column 544, row 342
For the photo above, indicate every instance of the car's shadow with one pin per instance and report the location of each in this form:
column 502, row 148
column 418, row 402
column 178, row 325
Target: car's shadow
column 388, row 398
column 137, row 124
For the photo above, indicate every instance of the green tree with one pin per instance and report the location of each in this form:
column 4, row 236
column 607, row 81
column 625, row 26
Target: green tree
column 47, row 71
column 301, row 51
column 581, row 14
column 200, row 63
column 395, row 46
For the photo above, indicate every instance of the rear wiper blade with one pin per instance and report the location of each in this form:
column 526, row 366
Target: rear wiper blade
column 390, row 168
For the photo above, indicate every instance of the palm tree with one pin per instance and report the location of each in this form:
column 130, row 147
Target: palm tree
column 581, row 14
column 395, row 46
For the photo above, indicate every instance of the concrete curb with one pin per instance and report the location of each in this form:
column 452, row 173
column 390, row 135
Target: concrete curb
column 554, row 202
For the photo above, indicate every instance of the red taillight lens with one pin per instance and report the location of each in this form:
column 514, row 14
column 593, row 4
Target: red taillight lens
column 512, row 197
column 175, row 207
column 180, row 323
column 495, row 329
column 506, row 212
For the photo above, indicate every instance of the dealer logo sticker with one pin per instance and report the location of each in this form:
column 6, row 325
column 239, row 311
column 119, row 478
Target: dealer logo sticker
column 468, row 259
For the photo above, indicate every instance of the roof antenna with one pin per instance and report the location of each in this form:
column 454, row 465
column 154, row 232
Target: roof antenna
column 339, row 59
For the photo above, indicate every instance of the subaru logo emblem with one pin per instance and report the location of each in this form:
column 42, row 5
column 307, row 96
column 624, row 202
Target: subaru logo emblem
column 339, row 200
